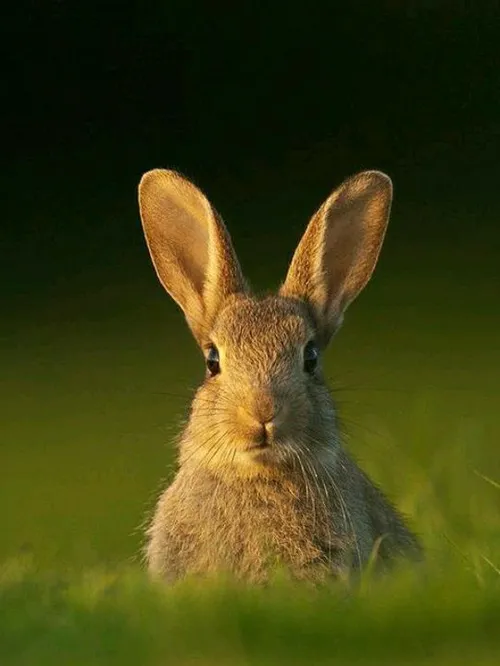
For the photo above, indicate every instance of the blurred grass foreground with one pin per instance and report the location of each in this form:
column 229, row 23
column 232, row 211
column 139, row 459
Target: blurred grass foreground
column 121, row 618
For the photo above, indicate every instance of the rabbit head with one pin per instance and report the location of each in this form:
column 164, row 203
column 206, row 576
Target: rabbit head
column 264, row 405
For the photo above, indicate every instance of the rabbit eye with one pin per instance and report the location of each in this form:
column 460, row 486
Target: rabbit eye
column 213, row 363
column 310, row 357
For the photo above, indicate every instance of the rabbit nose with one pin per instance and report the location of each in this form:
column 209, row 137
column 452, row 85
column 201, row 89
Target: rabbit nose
column 263, row 408
column 266, row 410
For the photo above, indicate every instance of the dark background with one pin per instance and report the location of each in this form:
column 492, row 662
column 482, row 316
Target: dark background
column 262, row 106
column 267, row 108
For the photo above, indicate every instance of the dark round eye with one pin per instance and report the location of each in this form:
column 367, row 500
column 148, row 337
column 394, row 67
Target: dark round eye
column 213, row 363
column 310, row 357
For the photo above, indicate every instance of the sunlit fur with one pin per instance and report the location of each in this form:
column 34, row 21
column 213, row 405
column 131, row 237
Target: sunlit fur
column 263, row 480
column 301, row 502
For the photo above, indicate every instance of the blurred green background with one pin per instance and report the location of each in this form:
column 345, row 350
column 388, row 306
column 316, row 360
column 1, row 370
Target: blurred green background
column 97, row 376
column 268, row 112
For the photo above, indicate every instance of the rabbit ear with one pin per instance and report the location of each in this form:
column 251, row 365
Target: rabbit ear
column 190, row 247
column 340, row 247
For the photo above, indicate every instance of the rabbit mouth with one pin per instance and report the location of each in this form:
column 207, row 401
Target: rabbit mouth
column 258, row 446
column 259, row 442
column 261, row 439
column 264, row 443
column 260, row 454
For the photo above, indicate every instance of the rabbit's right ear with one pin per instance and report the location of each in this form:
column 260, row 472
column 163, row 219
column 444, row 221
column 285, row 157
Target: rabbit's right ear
column 190, row 248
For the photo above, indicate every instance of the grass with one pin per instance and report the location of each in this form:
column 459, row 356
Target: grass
column 122, row 618
column 93, row 386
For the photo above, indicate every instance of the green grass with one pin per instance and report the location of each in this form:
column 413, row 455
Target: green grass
column 121, row 618
column 95, row 380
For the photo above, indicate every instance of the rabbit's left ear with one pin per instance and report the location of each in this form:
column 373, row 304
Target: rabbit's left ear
column 190, row 247
column 339, row 249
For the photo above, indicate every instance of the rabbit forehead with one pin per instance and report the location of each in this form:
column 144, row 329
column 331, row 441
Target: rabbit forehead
column 272, row 324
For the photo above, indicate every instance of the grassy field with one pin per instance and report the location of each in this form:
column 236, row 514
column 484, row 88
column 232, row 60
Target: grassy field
column 98, row 618
column 96, row 376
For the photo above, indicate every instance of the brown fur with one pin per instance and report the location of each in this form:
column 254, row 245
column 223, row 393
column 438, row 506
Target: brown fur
column 299, row 501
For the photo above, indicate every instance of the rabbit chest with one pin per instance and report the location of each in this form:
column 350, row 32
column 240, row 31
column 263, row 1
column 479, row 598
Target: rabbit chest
column 251, row 528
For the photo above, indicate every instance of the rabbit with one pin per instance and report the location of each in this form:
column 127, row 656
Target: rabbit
column 263, row 480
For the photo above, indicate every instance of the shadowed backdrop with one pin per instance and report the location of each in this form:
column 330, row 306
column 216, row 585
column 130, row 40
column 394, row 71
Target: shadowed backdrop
column 267, row 112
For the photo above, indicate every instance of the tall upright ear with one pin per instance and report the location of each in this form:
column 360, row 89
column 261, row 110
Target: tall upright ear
column 190, row 247
column 340, row 247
